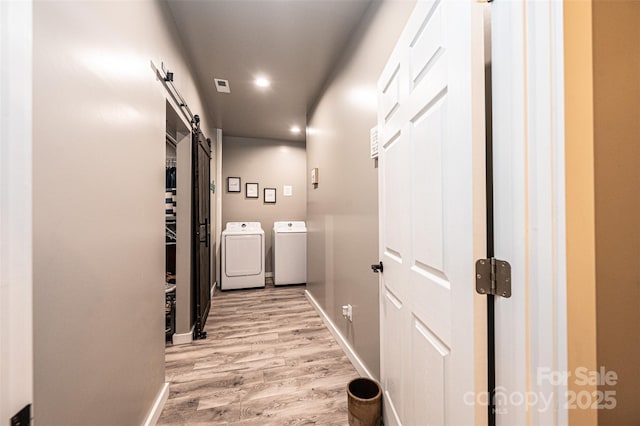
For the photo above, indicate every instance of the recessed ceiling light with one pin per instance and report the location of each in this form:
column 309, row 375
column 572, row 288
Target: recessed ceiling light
column 295, row 129
column 262, row 82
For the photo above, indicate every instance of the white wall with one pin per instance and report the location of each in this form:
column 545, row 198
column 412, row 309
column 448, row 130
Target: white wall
column 99, row 166
column 16, row 366
column 184, row 312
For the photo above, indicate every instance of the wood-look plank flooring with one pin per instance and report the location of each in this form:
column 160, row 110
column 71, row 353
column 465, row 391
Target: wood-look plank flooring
column 268, row 359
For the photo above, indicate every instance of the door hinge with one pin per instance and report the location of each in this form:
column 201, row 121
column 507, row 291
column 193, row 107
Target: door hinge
column 493, row 276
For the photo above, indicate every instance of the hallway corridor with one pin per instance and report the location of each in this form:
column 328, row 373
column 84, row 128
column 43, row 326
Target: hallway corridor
column 268, row 360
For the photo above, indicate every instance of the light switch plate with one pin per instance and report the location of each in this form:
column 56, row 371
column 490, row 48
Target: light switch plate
column 373, row 139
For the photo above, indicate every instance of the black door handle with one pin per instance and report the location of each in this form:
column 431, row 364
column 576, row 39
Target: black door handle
column 377, row 268
column 206, row 232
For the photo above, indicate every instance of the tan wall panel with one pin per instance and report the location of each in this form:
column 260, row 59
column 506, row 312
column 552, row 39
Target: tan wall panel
column 616, row 47
column 581, row 280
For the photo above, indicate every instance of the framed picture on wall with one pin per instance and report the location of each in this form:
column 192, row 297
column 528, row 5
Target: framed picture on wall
column 233, row 184
column 270, row 195
column 251, row 190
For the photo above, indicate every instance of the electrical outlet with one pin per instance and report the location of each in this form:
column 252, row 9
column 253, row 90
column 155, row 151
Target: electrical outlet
column 347, row 312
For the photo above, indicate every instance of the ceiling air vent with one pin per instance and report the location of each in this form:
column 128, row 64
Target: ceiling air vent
column 222, row 86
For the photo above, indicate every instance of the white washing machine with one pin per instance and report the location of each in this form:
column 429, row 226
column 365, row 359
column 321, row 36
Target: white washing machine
column 242, row 256
column 289, row 252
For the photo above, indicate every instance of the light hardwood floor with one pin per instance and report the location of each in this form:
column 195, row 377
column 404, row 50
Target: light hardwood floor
column 268, row 360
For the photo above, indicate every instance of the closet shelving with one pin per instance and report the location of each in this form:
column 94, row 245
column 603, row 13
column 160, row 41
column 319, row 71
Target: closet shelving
column 171, row 140
column 170, row 236
column 170, row 201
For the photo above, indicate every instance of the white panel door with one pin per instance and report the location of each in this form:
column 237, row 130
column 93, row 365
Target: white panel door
column 432, row 218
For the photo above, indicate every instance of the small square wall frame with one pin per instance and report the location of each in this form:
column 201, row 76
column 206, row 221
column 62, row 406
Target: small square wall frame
column 251, row 190
column 270, row 195
column 233, row 184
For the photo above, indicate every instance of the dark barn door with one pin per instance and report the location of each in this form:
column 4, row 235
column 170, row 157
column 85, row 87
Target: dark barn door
column 201, row 232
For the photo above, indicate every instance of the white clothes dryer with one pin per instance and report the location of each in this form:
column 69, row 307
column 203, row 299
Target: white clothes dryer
column 289, row 252
column 242, row 256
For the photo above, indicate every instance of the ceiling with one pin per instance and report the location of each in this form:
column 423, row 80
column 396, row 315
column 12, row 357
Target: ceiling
column 295, row 43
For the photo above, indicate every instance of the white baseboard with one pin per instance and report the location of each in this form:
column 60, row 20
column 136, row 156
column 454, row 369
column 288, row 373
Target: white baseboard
column 268, row 274
column 346, row 347
column 158, row 405
column 183, row 338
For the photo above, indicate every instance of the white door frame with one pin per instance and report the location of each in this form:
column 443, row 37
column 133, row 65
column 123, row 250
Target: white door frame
column 218, row 203
column 529, row 209
column 16, row 247
column 184, row 330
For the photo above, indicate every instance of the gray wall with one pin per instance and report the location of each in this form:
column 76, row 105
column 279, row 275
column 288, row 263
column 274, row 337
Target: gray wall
column 98, row 198
column 271, row 164
column 343, row 211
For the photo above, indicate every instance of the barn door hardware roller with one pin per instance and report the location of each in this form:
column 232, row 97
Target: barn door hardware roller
column 493, row 276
